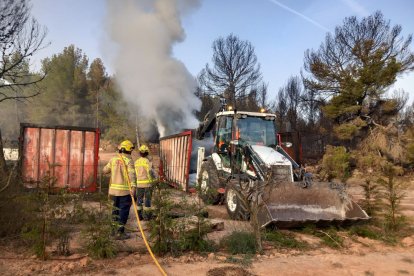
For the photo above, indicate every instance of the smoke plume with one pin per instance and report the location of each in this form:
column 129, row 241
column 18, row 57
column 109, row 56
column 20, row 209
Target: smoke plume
column 144, row 32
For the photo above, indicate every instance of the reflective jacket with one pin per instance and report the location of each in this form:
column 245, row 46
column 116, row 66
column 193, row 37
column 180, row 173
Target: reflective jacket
column 118, row 185
column 145, row 173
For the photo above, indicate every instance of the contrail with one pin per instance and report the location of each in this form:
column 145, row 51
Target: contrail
column 310, row 20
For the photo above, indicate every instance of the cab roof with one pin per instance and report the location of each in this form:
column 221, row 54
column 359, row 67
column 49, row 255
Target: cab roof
column 253, row 114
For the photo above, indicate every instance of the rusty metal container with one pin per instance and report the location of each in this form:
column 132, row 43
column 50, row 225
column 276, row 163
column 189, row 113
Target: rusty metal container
column 66, row 154
column 175, row 158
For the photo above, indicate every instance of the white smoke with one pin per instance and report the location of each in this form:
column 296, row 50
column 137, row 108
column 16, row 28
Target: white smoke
column 144, row 32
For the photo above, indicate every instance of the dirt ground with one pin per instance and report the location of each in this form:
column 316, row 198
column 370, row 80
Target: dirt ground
column 359, row 256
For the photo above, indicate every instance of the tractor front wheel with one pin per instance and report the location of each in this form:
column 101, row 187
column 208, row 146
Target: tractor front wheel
column 208, row 183
column 236, row 207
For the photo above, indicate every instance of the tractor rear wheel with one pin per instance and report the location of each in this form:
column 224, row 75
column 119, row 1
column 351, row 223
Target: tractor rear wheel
column 208, row 183
column 236, row 208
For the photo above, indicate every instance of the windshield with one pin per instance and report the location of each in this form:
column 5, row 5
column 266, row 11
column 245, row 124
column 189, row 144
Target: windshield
column 257, row 131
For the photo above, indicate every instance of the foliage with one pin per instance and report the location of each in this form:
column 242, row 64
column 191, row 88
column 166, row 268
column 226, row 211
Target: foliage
column 336, row 163
column 366, row 231
column 371, row 202
column 114, row 115
column 284, row 240
column 379, row 231
column 240, row 242
column 34, row 237
column 355, row 66
column 46, row 216
column 393, row 194
column 193, row 227
column 49, row 218
column 161, row 228
column 185, row 233
column 64, row 90
column 97, row 234
column 382, row 191
column 329, row 236
column 347, row 131
column 76, row 94
column 369, row 163
column 98, row 82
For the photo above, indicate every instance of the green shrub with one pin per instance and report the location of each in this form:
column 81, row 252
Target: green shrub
column 369, row 163
column 284, row 240
column 329, row 236
column 97, row 233
column 347, row 131
column 161, row 228
column 191, row 241
column 392, row 195
column 33, row 236
column 336, row 163
column 49, row 218
column 99, row 245
column 179, row 235
column 366, row 231
column 240, row 242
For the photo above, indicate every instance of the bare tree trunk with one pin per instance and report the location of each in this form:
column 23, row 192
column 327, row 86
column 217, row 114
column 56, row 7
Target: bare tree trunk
column 254, row 206
column 3, row 167
column 254, row 221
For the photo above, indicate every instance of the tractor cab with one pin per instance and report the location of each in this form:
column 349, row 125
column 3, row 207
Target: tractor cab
column 243, row 128
column 248, row 127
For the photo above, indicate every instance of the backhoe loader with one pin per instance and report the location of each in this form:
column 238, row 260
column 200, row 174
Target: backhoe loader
column 249, row 162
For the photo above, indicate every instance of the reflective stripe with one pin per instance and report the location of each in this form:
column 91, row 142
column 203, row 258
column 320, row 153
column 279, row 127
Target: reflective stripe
column 144, row 181
column 139, row 208
column 119, row 174
column 143, row 162
column 121, row 187
column 147, row 208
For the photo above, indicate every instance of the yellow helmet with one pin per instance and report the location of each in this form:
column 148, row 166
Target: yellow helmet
column 126, row 145
column 143, row 149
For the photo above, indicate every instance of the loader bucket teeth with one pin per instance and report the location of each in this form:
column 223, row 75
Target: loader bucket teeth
column 289, row 205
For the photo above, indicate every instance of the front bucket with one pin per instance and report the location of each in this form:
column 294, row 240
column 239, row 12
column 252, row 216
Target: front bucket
column 289, row 205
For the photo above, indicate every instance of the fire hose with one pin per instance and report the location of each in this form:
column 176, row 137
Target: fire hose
column 134, row 204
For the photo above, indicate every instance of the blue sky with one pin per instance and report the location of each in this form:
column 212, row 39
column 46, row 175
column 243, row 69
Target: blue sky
column 280, row 30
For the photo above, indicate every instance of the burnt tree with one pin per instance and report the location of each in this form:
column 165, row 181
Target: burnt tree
column 234, row 71
column 20, row 38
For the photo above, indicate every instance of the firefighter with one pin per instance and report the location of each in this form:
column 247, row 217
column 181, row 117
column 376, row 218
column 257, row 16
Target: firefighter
column 118, row 187
column 145, row 179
